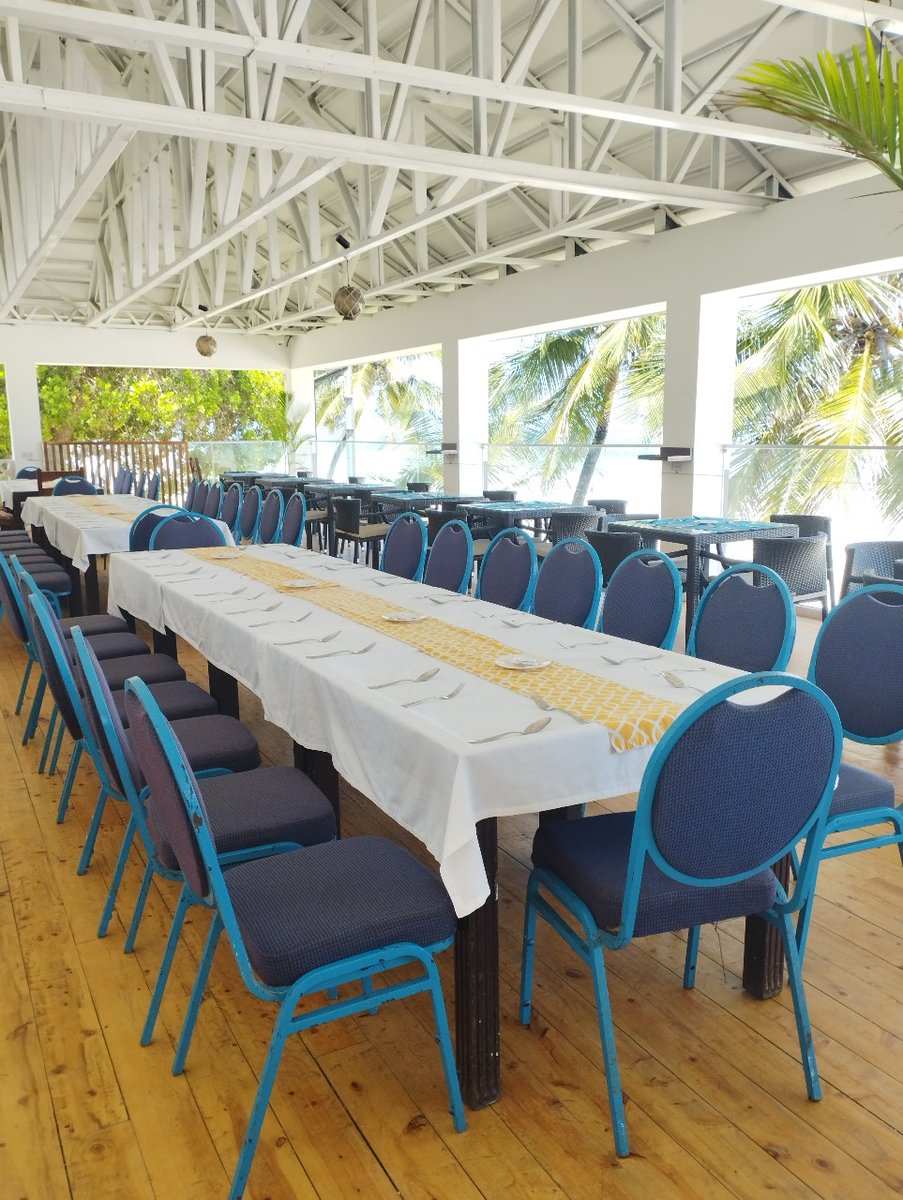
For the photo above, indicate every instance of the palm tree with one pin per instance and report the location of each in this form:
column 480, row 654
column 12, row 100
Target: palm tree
column 560, row 390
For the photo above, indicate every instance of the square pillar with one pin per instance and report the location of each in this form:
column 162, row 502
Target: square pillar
column 465, row 413
column 700, row 362
column 24, row 411
column 301, row 412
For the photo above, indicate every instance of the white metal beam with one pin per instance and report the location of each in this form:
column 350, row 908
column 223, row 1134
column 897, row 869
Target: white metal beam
column 854, row 12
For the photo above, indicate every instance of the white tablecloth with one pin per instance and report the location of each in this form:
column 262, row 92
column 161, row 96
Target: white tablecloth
column 8, row 486
column 417, row 764
column 80, row 532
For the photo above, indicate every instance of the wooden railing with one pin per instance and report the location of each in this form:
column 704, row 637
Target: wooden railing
column 101, row 460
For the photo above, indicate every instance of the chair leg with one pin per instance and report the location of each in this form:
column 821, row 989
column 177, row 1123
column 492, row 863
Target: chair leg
column 48, row 739
column 68, row 782
column 55, row 757
column 528, row 954
column 443, row 1036
column 691, row 957
column 31, row 724
column 85, row 861
column 139, row 909
column 22, row 690
column 125, row 849
column 609, row 1052
column 800, row 1008
column 197, row 994
column 172, row 941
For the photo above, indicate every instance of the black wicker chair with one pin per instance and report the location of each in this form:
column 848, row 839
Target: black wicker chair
column 801, row 562
column 572, row 522
column 810, row 524
column 350, row 528
column 870, row 562
column 612, row 549
column 504, row 494
column 610, row 507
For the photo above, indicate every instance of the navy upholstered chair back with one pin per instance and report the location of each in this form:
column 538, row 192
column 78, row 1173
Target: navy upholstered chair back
column 140, row 481
column 27, row 473
column 214, row 502
column 858, row 660
column 193, row 485
column 185, row 530
column 508, row 570
column 146, row 522
column 56, row 665
column 270, row 517
column 404, row 552
column 153, row 486
column 73, row 485
column 294, row 520
column 250, row 513
column 11, row 599
column 107, row 734
column 569, row 584
column 199, row 500
column 122, row 482
column 450, row 561
column 643, row 600
column 742, row 625
column 231, row 507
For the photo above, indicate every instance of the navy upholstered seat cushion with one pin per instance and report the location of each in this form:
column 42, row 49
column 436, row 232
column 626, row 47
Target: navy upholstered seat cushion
column 91, row 626
column 590, row 856
column 116, row 645
column 51, row 578
column 152, row 668
column 269, row 804
column 858, row 789
column 217, row 741
column 177, row 700
column 310, row 907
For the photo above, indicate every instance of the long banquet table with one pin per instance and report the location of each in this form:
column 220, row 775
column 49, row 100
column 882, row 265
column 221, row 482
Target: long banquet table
column 245, row 611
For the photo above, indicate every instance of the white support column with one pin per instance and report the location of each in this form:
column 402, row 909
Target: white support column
column 299, row 383
column 465, row 412
column 24, row 409
column 700, row 360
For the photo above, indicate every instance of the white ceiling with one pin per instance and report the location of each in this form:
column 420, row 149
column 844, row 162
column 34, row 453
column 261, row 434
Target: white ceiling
column 158, row 156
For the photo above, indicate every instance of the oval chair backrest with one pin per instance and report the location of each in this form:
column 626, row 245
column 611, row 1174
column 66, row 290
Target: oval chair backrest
column 146, row 522
column 140, row 481
column 250, row 513
column 199, row 500
column 569, row 584
column 230, row 511
column 192, row 488
column 450, row 562
column 858, row 660
column 73, row 485
column 727, row 791
column 270, row 517
column 122, row 481
column 27, row 473
column 153, row 486
column 186, row 530
column 643, row 600
column 55, row 663
column 103, row 721
column 508, row 570
column 404, row 552
column 293, row 520
column 214, row 503
column 742, row 625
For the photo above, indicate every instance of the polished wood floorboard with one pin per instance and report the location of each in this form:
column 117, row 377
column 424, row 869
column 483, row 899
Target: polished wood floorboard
column 716, row 1104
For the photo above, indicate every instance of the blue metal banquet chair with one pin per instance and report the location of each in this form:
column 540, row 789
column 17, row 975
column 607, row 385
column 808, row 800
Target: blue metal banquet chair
column 230, row 512
column 153, row 486
column 193, row 485
column 294, row 520
column 300, row 923
column 569, row 584
column 250, row 513
column 73, row 485
column 214, row 502
column 508, row 570
column 122, row 482
column 27, row 473
column 450, row 561
column 404, row 550
column 146, row 522
column 199, row 499
column 743, row 625
column 253, row 812
column 857, row 660
column 184, row 530
column 270, row 522
column 140, row 482
column 643, row 600
column 725, row 795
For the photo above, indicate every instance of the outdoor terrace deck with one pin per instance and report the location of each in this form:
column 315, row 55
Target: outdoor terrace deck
column 716, row 1100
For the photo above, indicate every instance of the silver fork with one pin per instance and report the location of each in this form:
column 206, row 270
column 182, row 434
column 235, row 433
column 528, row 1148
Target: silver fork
column 422, row 678
column 430, row 699
column 576, row 645
column 280, row 621
column 616, row 662
column 327, row 637
column 540, row 702
column 533, row 727
column 333, row 653
column 236, row 612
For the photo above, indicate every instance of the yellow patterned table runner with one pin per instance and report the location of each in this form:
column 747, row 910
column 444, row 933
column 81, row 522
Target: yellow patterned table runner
column 632, row 718
column 103, row 506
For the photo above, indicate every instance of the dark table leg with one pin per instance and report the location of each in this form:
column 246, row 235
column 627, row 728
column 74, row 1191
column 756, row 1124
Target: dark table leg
column 318, row 766
column 763, row 954
column 332, row 542
column 477, row 987
column 166, row 643
column 92, row 588
column 692, row 589
column 223, row 689
column 76, row 605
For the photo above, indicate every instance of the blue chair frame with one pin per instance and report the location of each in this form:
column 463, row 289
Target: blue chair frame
column 527, row 600
column 234, row 489
column 192, row 518
column 560, row 547
column 590, row 941
column 468, row 566
column 250, row 536
column 295, row 500
column 644, row 555
column 407, row 519
column 363, row 967
column 73, row 485
column 193, row 485
column 786, row 648
column 156, row 508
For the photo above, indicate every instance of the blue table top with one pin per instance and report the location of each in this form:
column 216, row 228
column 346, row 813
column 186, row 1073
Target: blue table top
column 693, row 525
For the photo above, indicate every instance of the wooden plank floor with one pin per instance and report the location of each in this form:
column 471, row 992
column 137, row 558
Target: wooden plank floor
column 716, row 1104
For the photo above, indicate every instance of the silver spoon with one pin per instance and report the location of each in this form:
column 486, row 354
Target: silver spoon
column 547, row 707
column 422, row 678
column 333, row 653
column 676, row 681
column 533, row 727
column 327, row 637
column 430, row 699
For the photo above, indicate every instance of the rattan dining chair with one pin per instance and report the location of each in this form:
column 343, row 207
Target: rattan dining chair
column 612, row 549
column 569, row 584
column 572, row 522
column 745, row 619
column 810, row 525
column 726, row 795
column 300, row 923
column 868, row 561
column 643, row 600
column 404, row 550
column 801, row 562
column 449, row 564
column 350, row 527
column 508, row 570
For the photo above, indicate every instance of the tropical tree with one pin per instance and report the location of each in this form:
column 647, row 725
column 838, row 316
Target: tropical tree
column 561, row 389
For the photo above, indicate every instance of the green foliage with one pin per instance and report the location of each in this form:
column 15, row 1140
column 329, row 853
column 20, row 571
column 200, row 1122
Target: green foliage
column 131, row 403
column 5, row 443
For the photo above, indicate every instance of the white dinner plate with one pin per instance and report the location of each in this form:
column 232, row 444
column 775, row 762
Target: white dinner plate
column 302, row 584
column 521, row 662
column 404, row 618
